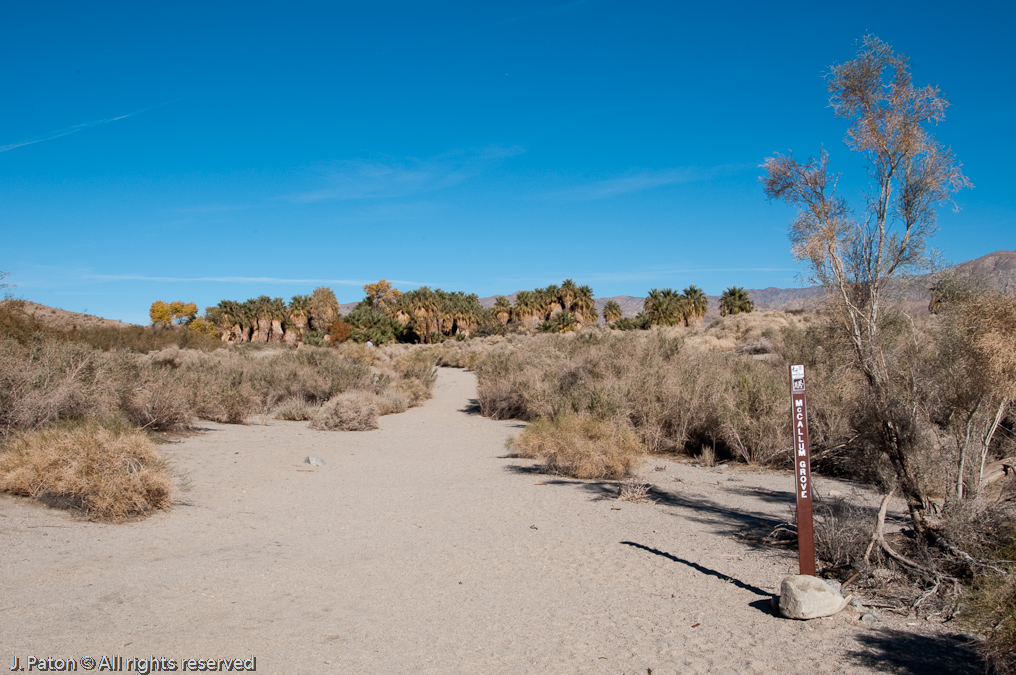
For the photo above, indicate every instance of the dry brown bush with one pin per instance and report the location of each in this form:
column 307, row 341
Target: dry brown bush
column 753, row 413
column 580, row 446
column 635, row 490
column 391, row 402
column 675, row 397
column 351, row 411
column 46, row 381
column 842, row 535
column 296, row 410
column 465, row 354
column 107, row 468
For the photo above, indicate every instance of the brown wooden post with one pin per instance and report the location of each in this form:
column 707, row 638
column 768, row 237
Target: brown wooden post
column 802, row 472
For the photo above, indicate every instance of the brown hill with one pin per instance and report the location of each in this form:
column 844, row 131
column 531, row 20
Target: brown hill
column 61, row 319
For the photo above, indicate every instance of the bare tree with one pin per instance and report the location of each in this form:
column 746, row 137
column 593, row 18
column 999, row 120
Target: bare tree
column 910, row 175
column 5, row 287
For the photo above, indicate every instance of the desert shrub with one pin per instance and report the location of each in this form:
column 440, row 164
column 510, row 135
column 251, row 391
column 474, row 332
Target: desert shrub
column 296, row 410
column 670, row 395
column 635, row 490
column 17, row 324
column 640, row 322
column 417, row 365
column 412, row 392
column 229, row 400
column 143, row 339
column 580, row 446
column 991, row 609
column 392, row 401
column 753, row 416
column 340, row 331
column 154, row 398
column 315, row 338
column 52, row 380
column 105, row 467
column 757, row 345
column 465, row 354
column 351, row 411
column 988, row 530
column 842, row 534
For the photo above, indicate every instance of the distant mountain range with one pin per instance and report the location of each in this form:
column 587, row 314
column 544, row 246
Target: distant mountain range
column 996, row 271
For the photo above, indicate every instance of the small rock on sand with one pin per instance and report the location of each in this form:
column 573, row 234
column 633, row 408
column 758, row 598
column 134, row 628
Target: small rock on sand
column 314, row 460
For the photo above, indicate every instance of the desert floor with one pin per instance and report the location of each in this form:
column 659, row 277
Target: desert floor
column 421, row 548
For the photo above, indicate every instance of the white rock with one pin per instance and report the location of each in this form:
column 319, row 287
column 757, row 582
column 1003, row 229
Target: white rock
column 806, row 597
column 314, row 460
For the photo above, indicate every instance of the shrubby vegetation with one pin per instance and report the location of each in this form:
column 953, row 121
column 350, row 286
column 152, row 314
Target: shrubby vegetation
column 107, row 468
column 84, row 396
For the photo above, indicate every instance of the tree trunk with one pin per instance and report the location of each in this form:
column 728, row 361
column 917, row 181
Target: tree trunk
column 264, row 327
column 276, row 331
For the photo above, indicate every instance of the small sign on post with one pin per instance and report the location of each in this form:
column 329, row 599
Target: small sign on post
column 802, row 472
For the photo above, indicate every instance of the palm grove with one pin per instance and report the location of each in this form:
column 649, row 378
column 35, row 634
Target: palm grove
column 426, row 315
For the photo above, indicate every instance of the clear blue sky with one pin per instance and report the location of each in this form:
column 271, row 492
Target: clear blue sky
column 201, row 151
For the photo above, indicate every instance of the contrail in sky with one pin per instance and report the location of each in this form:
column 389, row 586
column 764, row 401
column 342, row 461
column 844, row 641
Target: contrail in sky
column 80, row 127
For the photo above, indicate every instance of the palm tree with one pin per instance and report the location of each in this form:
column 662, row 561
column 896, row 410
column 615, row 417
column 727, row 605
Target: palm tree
column 611, row 311
column 584, row 305
column 526, row 307
column 400, row 309
column 735, row 300
column 653, row 303
column 277, row 314
column 502, row 310
column 566, row 294
column 247, row 318
column 226, row 317
column 299, row 314
column 665, row 307
column 465, row 313
column 261, row 307
column 551, row 304
column 562, row 322
column 697, row 304
column 424, row 305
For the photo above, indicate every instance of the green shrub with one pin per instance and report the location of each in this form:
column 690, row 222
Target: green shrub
column 315, row 338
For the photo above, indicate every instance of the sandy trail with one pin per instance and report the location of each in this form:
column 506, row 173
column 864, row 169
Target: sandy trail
column 419, row 548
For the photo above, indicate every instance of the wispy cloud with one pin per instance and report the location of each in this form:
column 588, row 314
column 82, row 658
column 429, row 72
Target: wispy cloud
column 639, row 182
column 59, row 133
column 350, row 180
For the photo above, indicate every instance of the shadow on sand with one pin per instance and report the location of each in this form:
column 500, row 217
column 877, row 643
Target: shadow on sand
column 893, row 651
column 472, row 408
column 704, row 570
column 723, row 519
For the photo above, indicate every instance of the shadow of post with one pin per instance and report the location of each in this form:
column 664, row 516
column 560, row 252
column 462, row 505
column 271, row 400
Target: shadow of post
column 701, row 568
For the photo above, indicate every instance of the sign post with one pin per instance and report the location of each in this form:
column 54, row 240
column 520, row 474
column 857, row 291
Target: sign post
column 802, row 472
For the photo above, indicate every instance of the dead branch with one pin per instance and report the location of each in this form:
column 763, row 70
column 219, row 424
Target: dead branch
column 879, row 525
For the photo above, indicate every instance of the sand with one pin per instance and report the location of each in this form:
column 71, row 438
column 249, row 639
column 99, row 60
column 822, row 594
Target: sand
column 421, row 548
